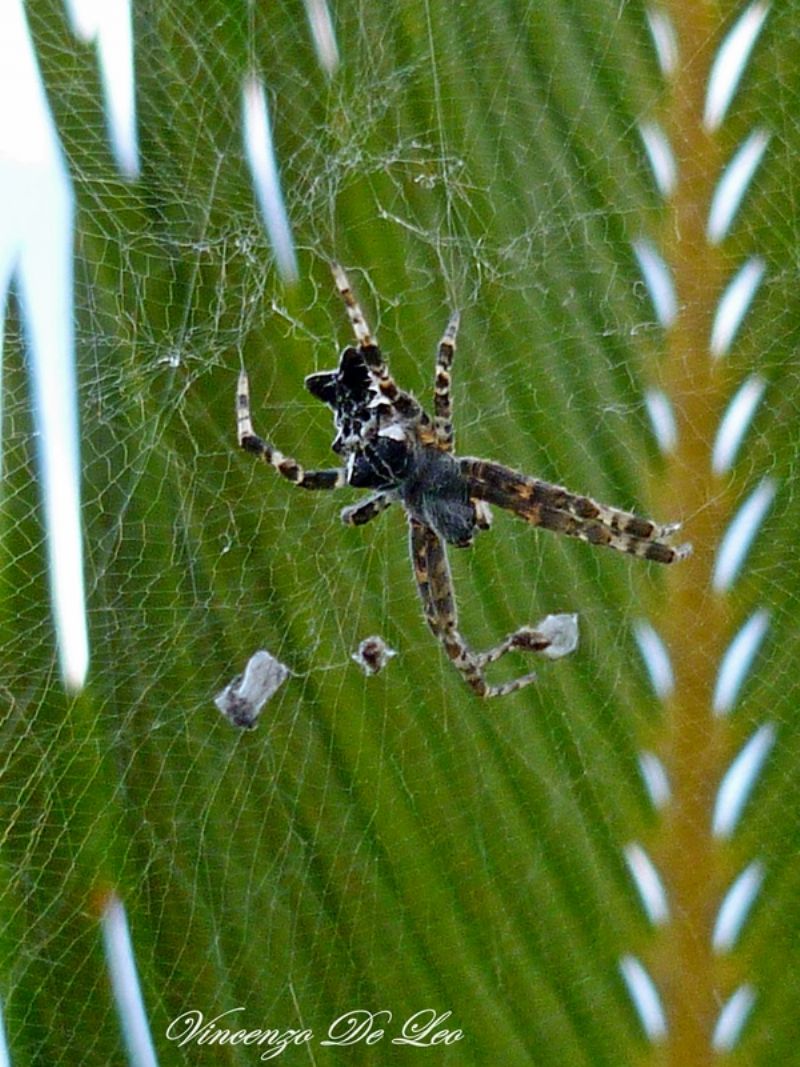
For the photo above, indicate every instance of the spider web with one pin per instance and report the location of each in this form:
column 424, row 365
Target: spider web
column 388, row 843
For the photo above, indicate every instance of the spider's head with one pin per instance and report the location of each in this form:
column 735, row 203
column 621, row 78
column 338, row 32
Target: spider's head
column 352, row 392
column 347, row 388
column 323, row 386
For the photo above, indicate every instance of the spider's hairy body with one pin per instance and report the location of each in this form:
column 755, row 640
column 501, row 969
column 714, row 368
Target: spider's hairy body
column 389, row 444
column 370, row 436
column 384, row 450
column 436, row 494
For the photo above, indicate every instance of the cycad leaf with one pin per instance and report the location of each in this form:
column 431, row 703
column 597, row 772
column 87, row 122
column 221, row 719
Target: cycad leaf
column 391, row 844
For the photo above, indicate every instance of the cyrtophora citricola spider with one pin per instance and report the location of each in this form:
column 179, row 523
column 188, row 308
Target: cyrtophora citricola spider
column 390, row 445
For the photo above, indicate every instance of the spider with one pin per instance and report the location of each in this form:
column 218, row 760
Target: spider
column 390, row 445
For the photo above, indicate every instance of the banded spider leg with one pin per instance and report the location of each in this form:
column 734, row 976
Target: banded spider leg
column 435, row 586
column 286, row 466
column 555, row 508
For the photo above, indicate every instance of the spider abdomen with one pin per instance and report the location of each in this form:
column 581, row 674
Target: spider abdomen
column 434, row 492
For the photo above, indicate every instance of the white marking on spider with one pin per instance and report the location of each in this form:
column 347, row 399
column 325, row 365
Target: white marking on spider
column 394, row 430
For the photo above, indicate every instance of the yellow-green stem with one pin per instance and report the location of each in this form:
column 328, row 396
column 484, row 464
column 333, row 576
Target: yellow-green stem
column 694, row 745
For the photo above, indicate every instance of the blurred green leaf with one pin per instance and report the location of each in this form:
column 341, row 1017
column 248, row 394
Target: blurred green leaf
column 393, row 844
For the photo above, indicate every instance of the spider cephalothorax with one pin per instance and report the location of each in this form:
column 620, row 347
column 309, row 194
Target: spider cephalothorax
column 389, row 444
column 370, row 436
column 384, row 449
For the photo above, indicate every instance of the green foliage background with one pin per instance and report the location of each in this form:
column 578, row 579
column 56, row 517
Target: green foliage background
column 388, row 843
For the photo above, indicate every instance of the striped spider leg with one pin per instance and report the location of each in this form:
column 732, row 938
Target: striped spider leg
column 337, row 477
column 443, row 408
column 555, row 508
column 435, row 585
column 287, row 467
column 442, row 400
column 404, row 403
column 367, row 510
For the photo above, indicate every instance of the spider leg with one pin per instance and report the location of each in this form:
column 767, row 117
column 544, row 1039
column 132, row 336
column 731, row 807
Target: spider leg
column 405, row 404
column 555, row 508
column 435, row 586
column 443, row 408
column 369, row 509
column 354, row 312
column 483, row 514
column 285, row 466
column 442, row 401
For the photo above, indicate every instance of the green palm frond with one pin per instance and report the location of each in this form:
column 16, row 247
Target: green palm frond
column 391, row 843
